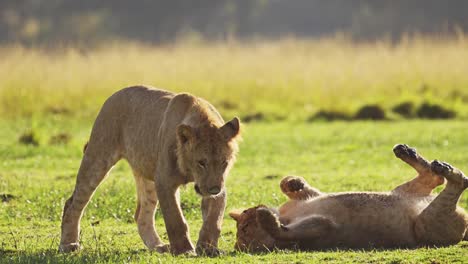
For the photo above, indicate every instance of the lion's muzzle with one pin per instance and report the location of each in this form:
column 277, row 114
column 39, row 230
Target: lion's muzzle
column 212, row 191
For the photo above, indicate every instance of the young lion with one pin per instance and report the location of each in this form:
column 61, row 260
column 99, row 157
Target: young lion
column 169, row 140
column 408, row 216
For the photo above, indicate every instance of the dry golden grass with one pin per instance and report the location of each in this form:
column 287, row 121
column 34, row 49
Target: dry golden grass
column 289, row 77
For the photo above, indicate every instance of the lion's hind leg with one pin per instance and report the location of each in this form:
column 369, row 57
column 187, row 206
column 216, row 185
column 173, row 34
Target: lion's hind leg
column 441, row 222
column 96, row 162
column 144, row 215
column 296, row 188
column 426, row 180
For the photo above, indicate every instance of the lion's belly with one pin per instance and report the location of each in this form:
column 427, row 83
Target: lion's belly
column 363, row 219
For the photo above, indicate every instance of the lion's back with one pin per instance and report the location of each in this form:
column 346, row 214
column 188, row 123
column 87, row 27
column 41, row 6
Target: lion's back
column 140, row 120
column 137, row 100
column 133, row 112
column 129, row 121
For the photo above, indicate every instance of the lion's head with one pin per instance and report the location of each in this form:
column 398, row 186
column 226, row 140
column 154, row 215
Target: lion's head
column 250, row 235
column 207, row 153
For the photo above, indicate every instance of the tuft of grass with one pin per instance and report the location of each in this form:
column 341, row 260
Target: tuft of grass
column 253, row 117
column 405, row 109
column 370, row 112
column 61, row 138
column 329, row 116
column 6, row 197
column 434, row 111
column 29, row 138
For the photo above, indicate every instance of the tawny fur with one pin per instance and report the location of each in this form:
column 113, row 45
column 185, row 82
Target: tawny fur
column 169, row 140
column 409, row 216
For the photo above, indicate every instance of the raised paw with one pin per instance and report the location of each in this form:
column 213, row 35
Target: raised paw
column 449, row 172
column 292, row 184
column 71, row 247
column 268, row 221
column 441, row 168
column 404, row 151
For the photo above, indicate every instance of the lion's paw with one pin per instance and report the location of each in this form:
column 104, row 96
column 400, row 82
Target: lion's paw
column 449, row 172
column 404, row 151
column 162, row 248
column 71, row 247
column 209, row 251
column 292, row 184
column 268, row 221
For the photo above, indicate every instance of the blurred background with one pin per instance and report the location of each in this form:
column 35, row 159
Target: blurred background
column 34, row 22
column 317, row 59
column 324, row 88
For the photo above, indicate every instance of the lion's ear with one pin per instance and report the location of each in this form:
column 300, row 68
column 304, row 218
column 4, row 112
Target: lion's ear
column 231, row 129
column 235, row 215
column 185, row 133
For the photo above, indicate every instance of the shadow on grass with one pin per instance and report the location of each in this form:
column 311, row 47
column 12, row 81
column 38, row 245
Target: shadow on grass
column 94, row 256
column 145, row 256
column 115, row 256
column 53, row 256
column 292, row 250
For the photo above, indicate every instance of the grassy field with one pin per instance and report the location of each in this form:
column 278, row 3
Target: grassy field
column 337, row 156
column 286, row 79
column 49, row 98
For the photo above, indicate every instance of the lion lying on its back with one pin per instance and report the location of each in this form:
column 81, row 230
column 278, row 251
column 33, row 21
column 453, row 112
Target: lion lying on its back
column 408, row 216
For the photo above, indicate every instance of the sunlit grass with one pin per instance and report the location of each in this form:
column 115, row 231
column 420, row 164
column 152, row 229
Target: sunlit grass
column 333, row 157
column 288, row 78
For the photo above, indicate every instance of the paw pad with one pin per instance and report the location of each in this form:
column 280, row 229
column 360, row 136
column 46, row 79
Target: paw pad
column 292, row 184
column 402, row 150
column 442, row 168
column 295, row 185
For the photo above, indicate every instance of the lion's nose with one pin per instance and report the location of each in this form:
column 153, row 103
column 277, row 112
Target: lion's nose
column 214, row 190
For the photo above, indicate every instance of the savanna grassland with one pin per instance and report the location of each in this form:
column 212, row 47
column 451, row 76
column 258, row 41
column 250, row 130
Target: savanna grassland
column 50, row 97
column 288, row 79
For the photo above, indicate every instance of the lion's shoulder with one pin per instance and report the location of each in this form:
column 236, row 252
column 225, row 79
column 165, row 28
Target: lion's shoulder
column 183, row 100
column 196, row 110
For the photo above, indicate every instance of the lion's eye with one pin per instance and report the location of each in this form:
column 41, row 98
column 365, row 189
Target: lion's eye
column 202, row 164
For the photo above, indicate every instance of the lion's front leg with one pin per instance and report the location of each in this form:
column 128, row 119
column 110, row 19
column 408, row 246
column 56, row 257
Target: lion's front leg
column 176, row 226
column 212, row 212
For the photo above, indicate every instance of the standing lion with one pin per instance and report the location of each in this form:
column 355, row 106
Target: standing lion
column 169, row 140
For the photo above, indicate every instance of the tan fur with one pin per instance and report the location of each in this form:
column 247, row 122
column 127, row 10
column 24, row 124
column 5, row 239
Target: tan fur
column 169, row 140
column 409, row 216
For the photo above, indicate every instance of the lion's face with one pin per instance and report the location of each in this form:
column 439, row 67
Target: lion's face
column 207, row 154
column 250, row 236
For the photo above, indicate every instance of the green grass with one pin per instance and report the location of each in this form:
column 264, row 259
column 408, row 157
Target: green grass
column 51, row 96
column 337, row 156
